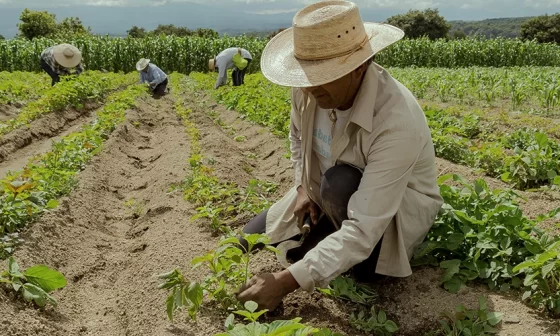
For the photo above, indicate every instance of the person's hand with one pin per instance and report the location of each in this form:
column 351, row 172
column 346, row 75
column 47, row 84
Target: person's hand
column 268, row 290
column 304, row 205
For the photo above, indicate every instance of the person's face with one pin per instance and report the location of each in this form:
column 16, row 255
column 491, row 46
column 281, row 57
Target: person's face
column 340, row 92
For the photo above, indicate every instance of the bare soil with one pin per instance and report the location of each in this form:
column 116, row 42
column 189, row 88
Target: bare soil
column 41, row 131
column 8, row 112
column 110, row 252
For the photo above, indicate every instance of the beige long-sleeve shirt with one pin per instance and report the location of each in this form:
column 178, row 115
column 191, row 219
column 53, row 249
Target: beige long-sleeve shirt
column 388, row 139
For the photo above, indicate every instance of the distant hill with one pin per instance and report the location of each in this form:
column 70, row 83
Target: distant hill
column 505, row 27
column 491, row 28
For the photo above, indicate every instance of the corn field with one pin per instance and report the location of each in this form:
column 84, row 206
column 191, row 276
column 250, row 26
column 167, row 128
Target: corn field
column 187, row 54
column 525, row 88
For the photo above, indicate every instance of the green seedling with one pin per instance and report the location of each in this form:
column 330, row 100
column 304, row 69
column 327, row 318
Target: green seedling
column 33, row 284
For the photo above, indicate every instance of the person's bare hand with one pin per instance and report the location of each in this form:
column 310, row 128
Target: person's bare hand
column 304, row 205
column 268, row 290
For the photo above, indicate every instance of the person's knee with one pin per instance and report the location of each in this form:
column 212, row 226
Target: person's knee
column 339, row 183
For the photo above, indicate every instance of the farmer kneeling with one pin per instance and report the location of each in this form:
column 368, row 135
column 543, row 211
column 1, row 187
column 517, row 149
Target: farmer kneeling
column 236, row 58
column 154, row 76
column 58, row 60
column 363, row 156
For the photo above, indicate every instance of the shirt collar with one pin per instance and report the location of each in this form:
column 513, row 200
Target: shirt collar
column 364, row 104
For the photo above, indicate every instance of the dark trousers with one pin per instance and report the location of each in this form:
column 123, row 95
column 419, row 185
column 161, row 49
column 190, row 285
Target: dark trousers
column 55, row 77
column 160, row 89
column 238, row 76
column 337, row 186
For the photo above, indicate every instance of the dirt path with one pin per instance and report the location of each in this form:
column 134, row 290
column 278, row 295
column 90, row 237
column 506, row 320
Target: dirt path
column 110, row 251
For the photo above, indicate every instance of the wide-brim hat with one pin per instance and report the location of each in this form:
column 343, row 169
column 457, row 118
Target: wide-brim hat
column 211, row 64
column 67, row 55
column 142, row 64
column 327, row 41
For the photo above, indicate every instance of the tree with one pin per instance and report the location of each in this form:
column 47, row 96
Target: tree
column 271, row 35
column 542, row 28
column 36, row 24
column 206, row 33
column 417, row 23
column 73, row 26
column 171, row 30
column 2, row 37
column 458, row 35
column 136, row 32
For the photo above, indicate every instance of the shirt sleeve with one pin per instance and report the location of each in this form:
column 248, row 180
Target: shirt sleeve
column 295, row 141
column 371, row 209
column 79, row 69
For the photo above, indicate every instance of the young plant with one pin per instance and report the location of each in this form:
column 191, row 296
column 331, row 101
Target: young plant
column 467, row 322
column 542, row 278
column 346, row 288
column 229, row 270
column 35, row 283
column 292, row 327
column 377, row 323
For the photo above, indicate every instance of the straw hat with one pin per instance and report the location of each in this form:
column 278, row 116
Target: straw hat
column 211, row 65
column 142, row 64
column 327, row 41
column 67, row 55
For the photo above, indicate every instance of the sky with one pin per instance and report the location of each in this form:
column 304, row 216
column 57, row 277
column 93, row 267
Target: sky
column 513, row 7
column 116, row 16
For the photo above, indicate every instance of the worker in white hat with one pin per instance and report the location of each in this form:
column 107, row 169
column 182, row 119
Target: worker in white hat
column 364, row 161
column 234, row 58
column 58, row 60
column 153, row 76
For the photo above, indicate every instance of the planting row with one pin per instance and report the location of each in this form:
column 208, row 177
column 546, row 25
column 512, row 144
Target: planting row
column 26, row 195
column 21, row 87
column 73, row 92
column 520, row 88
column 525, row 158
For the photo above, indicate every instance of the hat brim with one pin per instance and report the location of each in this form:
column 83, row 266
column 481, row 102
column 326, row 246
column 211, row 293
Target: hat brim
column 143, row 66
column 66, row 62
column 280, row 66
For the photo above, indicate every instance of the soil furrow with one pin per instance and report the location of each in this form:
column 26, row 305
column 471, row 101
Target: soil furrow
column 22, row 143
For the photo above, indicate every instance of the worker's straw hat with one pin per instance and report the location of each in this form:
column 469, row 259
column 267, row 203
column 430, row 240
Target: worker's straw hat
column 67, row 55
column 142, row 64
column 211, row 64
column 327, row 41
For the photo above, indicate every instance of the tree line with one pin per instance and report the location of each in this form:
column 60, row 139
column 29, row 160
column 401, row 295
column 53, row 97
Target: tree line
column 36, row 24
column 430, row 23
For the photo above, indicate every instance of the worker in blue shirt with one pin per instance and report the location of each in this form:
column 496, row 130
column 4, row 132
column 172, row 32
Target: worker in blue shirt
column 154, row 76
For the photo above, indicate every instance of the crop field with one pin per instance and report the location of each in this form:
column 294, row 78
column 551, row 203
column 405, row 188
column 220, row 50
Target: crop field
column 134, row 204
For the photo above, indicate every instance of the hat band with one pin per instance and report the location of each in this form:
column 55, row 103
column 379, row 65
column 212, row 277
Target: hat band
column 346, row 53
